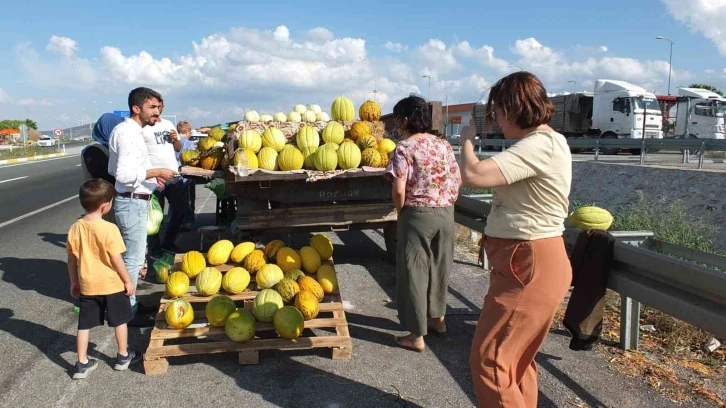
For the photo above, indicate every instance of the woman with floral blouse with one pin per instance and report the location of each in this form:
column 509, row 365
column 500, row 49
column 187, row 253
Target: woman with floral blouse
column 426, row 183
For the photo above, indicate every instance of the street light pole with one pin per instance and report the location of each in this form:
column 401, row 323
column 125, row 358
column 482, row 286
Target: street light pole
column 428, row 97
column 670, row 61
column 573, row 82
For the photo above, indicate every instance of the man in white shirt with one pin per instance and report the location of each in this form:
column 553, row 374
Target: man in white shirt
column 136, row 178
column 162, row 143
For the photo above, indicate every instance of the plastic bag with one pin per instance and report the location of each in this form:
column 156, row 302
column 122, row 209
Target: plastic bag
column 154, row 216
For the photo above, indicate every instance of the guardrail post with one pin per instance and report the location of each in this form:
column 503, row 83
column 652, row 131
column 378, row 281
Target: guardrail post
column 685, row 156
column 504, row 144
column 701, row 152
column 629, row 323
column 642, row 152
column 597, row 149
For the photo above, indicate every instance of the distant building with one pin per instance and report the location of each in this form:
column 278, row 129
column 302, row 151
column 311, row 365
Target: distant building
column 458, row 117
column 9, row 135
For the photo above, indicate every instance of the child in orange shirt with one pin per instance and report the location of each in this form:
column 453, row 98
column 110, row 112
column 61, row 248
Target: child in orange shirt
column 98, row 275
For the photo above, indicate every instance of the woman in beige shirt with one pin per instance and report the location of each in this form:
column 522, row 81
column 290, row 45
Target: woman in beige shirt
column 531, row 272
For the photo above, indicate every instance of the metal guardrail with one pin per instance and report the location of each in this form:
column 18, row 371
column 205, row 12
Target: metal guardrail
column 688, row 146
column 683, row 289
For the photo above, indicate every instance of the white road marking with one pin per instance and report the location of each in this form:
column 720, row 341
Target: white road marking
column 37, row 161
column 13, row 179
column 78, row 165
column 39, row 210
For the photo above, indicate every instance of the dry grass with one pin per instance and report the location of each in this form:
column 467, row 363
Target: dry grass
column 670, row 360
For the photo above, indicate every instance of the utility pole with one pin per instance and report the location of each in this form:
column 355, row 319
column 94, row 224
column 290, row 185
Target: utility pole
column 670, row 61
column 429, row 93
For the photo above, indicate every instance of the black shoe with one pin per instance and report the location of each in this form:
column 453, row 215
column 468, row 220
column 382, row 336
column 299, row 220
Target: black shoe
column 82, row 370
column 122, row 363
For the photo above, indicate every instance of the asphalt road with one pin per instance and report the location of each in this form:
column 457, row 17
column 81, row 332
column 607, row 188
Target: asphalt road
column 29, row 186
column 37, row 333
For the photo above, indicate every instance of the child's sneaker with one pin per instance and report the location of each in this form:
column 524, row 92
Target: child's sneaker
column 122, row 363
column 82, row 370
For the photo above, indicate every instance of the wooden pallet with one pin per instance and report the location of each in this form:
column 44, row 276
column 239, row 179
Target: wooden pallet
column 166, row 342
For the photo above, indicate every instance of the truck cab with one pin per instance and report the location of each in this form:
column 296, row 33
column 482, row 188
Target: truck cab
column 624, row 110
column 699, row 114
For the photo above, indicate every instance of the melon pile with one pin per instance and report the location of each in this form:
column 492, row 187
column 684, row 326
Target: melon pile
column 210, row 153
column 291, row 285
column 307, row 138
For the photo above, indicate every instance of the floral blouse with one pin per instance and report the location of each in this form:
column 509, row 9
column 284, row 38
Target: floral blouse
column 430, row 169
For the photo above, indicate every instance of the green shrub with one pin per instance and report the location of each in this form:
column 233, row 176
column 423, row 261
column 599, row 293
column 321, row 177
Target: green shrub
column 668, row 221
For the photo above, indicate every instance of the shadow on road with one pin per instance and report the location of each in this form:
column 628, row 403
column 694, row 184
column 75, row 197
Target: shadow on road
column 545, row 360
column 50, row 342
column 45, row 276
column 58, row 240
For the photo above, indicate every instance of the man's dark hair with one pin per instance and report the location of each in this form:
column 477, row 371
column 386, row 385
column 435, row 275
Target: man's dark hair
column 95, row 192
column 140, row 95
column 416, row 110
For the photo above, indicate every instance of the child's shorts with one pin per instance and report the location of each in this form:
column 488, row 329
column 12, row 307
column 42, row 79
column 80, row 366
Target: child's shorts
column 114, row 308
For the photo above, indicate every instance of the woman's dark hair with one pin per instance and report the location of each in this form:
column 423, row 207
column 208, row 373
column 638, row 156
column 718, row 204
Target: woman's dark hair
column 416, row 110
column 523, row 100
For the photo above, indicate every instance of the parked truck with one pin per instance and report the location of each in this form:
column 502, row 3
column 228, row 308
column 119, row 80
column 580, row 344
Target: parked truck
column 616, row 109
column 699, row 114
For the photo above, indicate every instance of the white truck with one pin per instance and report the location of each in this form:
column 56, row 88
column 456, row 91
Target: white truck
column 699, row 114
column 616, row 109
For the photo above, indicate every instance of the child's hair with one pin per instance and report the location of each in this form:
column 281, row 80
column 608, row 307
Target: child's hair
column 183, row 127
column 95, row 192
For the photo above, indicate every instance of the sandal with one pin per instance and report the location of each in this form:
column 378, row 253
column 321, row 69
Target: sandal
column 407, row 343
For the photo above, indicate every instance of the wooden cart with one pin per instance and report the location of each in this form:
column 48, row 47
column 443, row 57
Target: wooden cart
column 287, row 202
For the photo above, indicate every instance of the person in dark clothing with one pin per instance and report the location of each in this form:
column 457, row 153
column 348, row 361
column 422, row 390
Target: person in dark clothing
column 94, row 157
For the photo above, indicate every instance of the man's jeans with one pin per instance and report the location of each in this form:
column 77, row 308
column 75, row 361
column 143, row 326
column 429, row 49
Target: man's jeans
column 131, row 216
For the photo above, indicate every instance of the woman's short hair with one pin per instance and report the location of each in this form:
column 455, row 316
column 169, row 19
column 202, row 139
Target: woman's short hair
column 416, row 110
column 523, row 100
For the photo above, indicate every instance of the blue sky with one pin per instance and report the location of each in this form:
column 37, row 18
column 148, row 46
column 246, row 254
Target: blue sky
column 267, row 58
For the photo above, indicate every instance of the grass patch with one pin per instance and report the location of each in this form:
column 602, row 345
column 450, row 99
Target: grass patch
column 668, row 221
column 26, row 151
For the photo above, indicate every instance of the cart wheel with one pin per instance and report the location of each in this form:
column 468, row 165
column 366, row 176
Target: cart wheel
column 389, row 236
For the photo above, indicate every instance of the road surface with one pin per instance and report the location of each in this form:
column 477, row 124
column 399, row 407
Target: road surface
column 37, row 329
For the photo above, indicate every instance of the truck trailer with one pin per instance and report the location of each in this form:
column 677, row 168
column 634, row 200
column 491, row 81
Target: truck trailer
column 616, row 109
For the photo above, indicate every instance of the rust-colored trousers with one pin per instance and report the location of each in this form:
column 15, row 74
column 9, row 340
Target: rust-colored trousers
column 529, row 280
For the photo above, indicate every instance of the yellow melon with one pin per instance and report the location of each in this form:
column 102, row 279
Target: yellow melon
column 323, row 245
column 288, row 259
column 254, row 261
column 310, row 259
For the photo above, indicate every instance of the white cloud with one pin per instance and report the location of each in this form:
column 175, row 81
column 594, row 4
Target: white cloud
column 282, row 33
column 222, row 75
column 320, row 34
column 36, row 102
column 436, row 58
column 4, row 97
column 704, row 16
column 394, row 46
column 70, row 72
column 484, row 55
column 62, row 45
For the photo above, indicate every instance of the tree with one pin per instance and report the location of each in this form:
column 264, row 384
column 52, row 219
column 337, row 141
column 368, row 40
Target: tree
column 15, row 124
column 707, row 87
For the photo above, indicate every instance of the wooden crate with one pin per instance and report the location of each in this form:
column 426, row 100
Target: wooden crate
column 166, row 342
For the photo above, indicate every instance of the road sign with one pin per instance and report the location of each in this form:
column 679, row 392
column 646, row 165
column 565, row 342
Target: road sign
column 123, row 114
column 57, row 132
column 455, row 120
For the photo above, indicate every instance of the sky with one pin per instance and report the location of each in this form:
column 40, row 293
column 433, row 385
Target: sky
column 214, row 61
